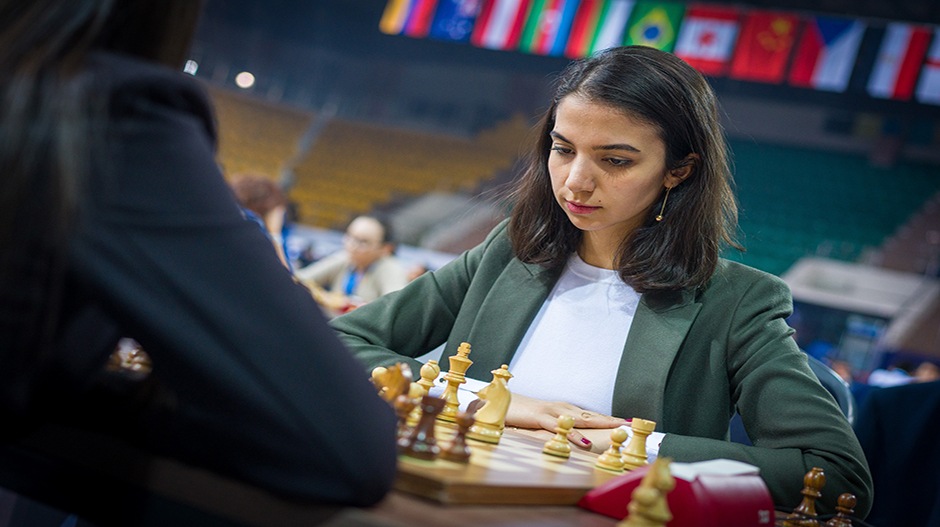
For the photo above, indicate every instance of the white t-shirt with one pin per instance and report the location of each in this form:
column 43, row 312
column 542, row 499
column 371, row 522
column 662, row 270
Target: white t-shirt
column 572, row 349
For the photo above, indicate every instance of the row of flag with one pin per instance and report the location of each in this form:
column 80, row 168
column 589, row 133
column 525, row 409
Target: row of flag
column 897, row 60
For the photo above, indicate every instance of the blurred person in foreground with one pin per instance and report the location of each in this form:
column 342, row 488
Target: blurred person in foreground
column 364, row 270
column 116, row 222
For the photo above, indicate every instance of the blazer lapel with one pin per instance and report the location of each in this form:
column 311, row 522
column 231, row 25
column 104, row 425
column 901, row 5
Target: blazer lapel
column 658, row 330
column 515, row 298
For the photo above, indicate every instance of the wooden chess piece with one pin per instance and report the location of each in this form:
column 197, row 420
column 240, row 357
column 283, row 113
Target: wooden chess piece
column 491, row 418
column 429, row 372
column 420, row 442
column 459, row 451
column 846, row 508
column 612, row 459
column 392, row 382
column 804, row 515
column 634, row 455
column 558, row 445
column 403, row 407
column 648, row 504
column 459, row 364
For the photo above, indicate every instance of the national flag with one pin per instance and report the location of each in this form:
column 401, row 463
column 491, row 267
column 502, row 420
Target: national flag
column 928, row 89
column 408, row 17
column 454, row 19
column 826, row 53
column 654, row 24
column 610, row 28
column 547, row 26
column 899, row 59
column 586, row 21
column 764, row 47
column 499, row 25
column 394, row 16
column 707, row 38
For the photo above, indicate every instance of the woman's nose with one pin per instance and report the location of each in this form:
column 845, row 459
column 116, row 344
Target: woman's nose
column 580, row 177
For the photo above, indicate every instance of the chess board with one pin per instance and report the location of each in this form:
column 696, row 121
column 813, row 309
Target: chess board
column 513, row 472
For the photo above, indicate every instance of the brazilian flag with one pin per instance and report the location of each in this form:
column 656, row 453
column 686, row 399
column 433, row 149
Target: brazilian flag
column 654, row 24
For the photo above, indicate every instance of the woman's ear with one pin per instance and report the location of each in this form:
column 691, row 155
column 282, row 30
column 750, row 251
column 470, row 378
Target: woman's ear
column 683, row 170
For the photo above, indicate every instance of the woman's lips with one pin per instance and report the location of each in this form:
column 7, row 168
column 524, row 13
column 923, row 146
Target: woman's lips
column 577, row 208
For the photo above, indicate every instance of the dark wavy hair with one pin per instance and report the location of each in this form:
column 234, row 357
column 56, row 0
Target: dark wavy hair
column 658, row 88
column 51, row 123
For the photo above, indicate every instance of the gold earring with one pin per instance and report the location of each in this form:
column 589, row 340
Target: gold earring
column 659, row 217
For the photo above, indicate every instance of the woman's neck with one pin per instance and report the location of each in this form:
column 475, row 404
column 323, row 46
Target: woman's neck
column 599, row 249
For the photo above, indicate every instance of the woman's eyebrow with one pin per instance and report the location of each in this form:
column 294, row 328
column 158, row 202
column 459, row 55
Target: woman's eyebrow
column 618, row 146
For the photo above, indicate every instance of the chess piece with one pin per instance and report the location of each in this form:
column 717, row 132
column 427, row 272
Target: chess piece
column 429, row 372
column 634, row 455
column 458, row 451
column 491, row 418
column 612, row 459
column 846, row 507
column 403, row 407
column 804, row 515
column 392, row 382
column 420, row 442
column 558, row 445
column 459, row 364
column 648, row 505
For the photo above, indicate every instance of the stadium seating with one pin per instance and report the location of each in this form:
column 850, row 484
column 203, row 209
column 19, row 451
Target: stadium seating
column 255, row 136
column 796, row 202
column 354, row 167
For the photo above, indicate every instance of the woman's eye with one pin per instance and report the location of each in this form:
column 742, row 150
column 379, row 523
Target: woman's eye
column 617, row 162
column 561, row 149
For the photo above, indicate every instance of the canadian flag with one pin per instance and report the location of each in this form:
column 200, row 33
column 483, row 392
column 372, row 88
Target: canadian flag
column 706, row 40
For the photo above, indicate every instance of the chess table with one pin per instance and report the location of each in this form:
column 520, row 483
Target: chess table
column 112, row 483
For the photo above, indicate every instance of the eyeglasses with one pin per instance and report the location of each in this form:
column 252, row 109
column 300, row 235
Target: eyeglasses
column 359, row 243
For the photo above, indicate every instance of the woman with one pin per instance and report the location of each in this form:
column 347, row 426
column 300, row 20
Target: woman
column 116, row 222
column 605, row 293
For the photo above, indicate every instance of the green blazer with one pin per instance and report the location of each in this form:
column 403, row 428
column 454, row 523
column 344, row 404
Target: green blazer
column 691, row 359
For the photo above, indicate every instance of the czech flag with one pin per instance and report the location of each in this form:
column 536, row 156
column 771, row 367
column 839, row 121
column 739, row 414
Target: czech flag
column 826, row 54
column 707, row 38
column 898, row 63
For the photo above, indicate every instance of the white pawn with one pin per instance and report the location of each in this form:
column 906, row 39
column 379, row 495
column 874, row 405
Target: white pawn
column 558, row 445
column 612, row 459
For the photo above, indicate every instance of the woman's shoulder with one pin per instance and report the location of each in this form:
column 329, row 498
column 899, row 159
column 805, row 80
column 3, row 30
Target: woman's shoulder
column 133, row 85
column 736, row 277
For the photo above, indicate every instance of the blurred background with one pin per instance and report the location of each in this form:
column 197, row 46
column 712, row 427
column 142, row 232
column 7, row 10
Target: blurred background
column 421, row 109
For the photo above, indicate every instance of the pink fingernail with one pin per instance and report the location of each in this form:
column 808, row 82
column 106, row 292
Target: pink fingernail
column 628, row 420
column 585, row 441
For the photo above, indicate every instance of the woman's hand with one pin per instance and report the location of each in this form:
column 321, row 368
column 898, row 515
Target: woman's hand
column 527, row 412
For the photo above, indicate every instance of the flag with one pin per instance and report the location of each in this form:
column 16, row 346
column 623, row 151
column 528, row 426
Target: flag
column 499, row 25
column 706, row 40
column 586, row 21
column 826, row 53
column 454, row 19
column 764, row 47
column 928, row 89
column 654, row 24
column 899, row 59
column 408, row 17
column 394, row 16
column 547, row 26
column 598, row 25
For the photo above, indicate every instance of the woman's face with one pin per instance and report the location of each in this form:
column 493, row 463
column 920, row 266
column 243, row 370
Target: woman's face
column 607, row 168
